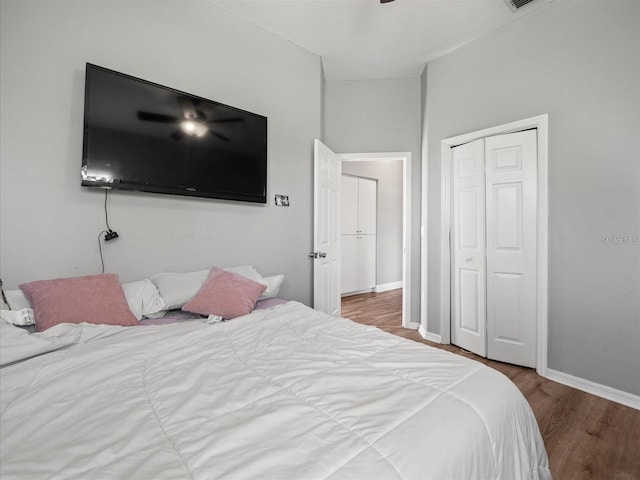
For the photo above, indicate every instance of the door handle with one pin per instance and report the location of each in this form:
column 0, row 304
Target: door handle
column 313, row 255
column 322, row 255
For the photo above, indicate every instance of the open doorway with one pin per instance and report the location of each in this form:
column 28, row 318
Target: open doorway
column 388, row 174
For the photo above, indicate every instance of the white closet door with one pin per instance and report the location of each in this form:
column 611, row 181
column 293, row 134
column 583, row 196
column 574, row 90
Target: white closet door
column 349, row 207
column 367, row 200
column 468, row 312
column 349, row 263
column 366, row 261
column 359, row 202
column 511, row 172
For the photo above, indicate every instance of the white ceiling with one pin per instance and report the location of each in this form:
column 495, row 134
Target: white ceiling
column 363, row 39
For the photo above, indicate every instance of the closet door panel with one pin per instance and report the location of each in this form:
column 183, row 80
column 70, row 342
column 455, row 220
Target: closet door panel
column 511, row 247
column 366, row 261
column 349, row 209
column 367, row 206
column 468, row 307
column 349, row 264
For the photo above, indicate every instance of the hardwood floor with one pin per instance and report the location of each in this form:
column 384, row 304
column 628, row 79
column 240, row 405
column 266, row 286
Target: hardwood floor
column 586, row 437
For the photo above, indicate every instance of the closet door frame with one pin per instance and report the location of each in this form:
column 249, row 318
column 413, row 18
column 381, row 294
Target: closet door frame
column 541, row 124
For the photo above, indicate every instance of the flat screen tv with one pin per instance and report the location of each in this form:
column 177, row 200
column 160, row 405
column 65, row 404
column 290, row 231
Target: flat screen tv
column 139, row 135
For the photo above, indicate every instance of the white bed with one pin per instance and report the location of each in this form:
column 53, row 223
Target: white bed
column 282, row 393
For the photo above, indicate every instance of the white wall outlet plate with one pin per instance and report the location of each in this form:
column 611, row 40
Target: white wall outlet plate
column 282, row 200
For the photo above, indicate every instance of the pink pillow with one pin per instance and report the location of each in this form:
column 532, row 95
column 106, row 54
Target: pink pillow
column 225, row 294
column 93, row 299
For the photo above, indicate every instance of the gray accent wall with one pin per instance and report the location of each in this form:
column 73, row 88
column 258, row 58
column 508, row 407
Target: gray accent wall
column 372, row 116
column 388, row 173
column 580, row 63
column 50, row 224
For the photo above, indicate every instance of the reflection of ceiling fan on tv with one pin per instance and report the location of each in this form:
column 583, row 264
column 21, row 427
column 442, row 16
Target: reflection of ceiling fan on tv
column 193, row 122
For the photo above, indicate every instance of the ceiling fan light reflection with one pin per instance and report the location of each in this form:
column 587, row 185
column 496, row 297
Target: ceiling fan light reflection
column 194, row 128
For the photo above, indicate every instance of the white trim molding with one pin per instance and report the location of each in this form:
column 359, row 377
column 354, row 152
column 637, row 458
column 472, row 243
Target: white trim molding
column 357, row 292
column 541, row 124
column 432, row 337
column 412, row 326
column 385, row 287
column 609, row 393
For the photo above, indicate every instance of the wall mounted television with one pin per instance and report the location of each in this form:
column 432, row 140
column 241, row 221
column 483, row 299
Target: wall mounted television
column 139, row 135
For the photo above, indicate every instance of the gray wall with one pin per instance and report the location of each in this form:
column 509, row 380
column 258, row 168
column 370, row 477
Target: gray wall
column 49, row 224
column 578, row 61
column 389, row 214
column 380, row 116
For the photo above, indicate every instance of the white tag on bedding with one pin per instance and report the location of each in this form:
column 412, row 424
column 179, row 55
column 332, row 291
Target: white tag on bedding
column 18, row 317
column 213, row 319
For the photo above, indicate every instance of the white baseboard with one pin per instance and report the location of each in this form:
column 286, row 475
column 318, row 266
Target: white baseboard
column 609, row 393
column 357, row 292
column 388, row 286
column 432, row 337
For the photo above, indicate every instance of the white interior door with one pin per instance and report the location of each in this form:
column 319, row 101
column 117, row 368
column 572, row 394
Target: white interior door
column 511, row 172
column 326, row 225
column 468, row 312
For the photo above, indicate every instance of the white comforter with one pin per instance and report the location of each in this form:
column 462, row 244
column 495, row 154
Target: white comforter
column 286, row 393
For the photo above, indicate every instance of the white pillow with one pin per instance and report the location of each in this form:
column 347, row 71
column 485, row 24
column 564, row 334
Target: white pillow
column 249, row 272
column 143, row 298
column 273, row 286
column 17, row 300
column 273, row 282
column 176, row 289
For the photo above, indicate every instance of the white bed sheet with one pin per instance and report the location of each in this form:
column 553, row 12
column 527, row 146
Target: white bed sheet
column 285, row 393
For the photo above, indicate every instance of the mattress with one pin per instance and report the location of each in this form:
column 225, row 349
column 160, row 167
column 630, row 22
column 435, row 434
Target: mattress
column 284, row 393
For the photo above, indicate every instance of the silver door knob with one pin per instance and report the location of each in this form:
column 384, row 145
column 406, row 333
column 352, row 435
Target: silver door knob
column 322, row 255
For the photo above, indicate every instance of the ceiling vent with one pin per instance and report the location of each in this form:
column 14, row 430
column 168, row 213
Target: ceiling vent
column 514, row 5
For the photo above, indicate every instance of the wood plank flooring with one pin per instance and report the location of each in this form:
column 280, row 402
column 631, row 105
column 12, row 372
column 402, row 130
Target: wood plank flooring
column 586, row 437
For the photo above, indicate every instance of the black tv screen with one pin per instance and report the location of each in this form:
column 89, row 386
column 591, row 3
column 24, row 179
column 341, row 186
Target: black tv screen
column 139, row 135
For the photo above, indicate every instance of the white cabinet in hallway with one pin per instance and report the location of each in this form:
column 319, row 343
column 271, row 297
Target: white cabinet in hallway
column 359, row 213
